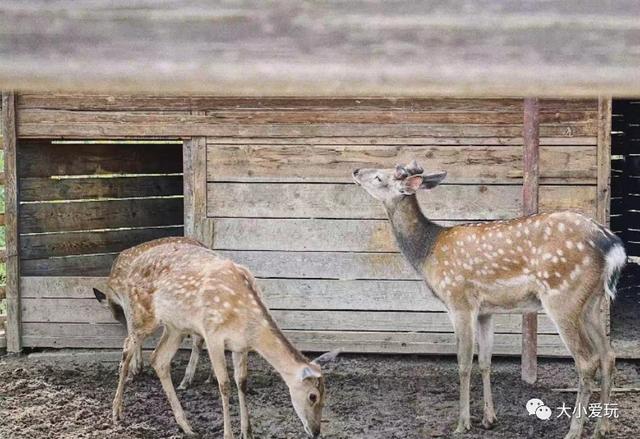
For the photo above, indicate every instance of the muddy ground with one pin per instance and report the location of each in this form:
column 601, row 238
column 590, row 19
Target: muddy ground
column 369, row 397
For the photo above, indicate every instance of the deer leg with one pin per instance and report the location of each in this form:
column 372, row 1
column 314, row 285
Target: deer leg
column 571, row 326
column 196, row 346
column 240, row 376
column 136, row 363
column 131, row 344
column 463, row 323
column 485, row 347
column 595, row 326
column 161, row 362
column 219, row 364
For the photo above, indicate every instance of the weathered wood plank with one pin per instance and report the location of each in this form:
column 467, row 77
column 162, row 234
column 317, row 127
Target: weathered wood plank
column 347, row 201
column 402, row 141
column 43, row 159
column 88, row 215
column 39, row 123
column 47, row 245
column 12, row 226
column 326, row 48
column 85, row 265
column 197, row 224
column 3, row 292
column 49, row 189
column 530, row 204
column 311, row 294
column 90, row 311
column 144, row 102
column 312, row 341
column 464, row 164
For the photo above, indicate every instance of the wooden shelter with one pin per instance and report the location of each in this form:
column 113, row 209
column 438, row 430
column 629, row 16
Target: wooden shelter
column 260, row 113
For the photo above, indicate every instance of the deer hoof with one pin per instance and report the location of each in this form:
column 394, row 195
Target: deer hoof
column 183, row 386
column 463, row 427
column 488, row 422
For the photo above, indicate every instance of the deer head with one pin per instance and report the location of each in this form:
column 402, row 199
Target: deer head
column 390, row 185
column 307, row 393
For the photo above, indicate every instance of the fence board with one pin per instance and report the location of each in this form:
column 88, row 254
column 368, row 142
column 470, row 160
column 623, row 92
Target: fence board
column 43, row 159
column 89, row 310
column 464, row 164
column 137, row 212
column 85, row 265
column 79, row 243
column 48, row 189
column 273, row 200
column 142, row 102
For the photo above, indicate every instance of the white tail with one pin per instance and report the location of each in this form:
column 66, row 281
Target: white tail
column 561, row 262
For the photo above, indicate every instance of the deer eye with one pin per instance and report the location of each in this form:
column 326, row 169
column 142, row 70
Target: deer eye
column 313, row 398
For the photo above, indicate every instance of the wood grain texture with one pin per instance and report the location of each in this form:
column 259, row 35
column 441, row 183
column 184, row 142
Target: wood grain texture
column 191, row 102
column 11, row 227
column 530, row 206
column 37, row 246
column 50, row 189
column 197, row 224
column 88, row 215
column 329, row 48
column 90, row 310
column 76, row 124
column 53, row 335
column 83, row 265
column 306, row 200
column 464, row 164
column 44, row 159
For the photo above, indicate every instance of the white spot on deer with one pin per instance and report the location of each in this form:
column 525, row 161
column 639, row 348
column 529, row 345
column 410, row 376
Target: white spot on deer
column 554, row 259
column 580, row 246
column 547, row 230
column 446, row 263
column 546, row 256
column 559, row 252
column 216, row 299
column 226, row 305
column 586, row 260
column 459, row 278
column 509, row 241
column 518, row 234
column 569, row 244
column 499, row 235
column 561, row 227
column 525, row 270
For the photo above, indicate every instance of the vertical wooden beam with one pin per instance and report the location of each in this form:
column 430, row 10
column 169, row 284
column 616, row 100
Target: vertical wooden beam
column 603, row 197
column 531, row 169
column 196, row 223
column 13, row 324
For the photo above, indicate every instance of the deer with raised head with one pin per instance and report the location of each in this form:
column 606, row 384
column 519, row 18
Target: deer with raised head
column 560, row 262
column 179, row 284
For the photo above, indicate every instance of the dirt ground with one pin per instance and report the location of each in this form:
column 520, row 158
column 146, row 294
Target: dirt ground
column 369, row 397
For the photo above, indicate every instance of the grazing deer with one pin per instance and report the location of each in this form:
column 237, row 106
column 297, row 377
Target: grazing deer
column 561, row 262
column 186, row 288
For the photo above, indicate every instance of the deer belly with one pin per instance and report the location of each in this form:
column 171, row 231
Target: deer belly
column 516, row 294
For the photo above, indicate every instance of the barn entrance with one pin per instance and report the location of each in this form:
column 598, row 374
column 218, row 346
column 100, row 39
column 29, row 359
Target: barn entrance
column 81, row 203
column 625, row 216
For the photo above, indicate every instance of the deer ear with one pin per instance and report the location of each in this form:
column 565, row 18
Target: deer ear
column 411, row 184
column 432, row 180
column 327, row 357
column 309, row 372
column 414, row 168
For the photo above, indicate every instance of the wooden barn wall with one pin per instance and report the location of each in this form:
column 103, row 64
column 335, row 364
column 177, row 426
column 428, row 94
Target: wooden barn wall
column 280, row 199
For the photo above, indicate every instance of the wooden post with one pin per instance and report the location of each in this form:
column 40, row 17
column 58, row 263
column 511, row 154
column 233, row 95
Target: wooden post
column 531, row 162
column 196, row 223
column 603, row 197
column 12, row 290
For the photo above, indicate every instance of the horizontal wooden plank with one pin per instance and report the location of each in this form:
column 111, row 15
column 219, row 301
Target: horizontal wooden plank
column 305, row 200
column 88, row 215
column 49, row 189
column 464, row 164
column 144, row 102
column 85, row 265
column 3, row 292
column 326, row 48
column 37, row 246
column 89, row 124
column 90, row 311
column 402, row 141
column 44, row 159
column 79, row 336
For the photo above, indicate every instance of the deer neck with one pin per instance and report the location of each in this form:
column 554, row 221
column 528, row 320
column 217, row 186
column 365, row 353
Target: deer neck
column 414, row 232
column 274, row 347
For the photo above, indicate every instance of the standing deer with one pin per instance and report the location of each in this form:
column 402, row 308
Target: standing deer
column 561, row 262
column 186, row 288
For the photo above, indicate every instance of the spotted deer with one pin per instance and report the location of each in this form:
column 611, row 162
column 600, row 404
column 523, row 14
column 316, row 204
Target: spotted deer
column 560, row 262
column 179, row 284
